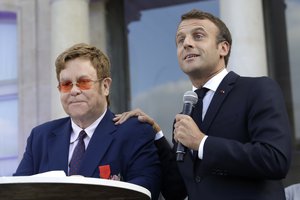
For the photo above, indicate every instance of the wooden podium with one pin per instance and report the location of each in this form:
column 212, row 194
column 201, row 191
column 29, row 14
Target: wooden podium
column 65, row 188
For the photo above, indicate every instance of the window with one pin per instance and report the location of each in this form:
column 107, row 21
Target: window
column 8, row 93
column 293, row 32
column 156, row 80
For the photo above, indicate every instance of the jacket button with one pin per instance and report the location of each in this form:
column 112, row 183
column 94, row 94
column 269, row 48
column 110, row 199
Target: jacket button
column 198, row 179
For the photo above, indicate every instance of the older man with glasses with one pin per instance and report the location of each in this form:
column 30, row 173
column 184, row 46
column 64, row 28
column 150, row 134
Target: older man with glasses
column 88, row 143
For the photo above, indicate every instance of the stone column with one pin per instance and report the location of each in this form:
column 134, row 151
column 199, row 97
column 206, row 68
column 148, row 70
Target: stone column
column 246, row 23
column 69, row 25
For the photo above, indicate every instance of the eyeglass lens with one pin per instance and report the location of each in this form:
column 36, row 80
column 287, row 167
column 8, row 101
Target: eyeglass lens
column 82, row 84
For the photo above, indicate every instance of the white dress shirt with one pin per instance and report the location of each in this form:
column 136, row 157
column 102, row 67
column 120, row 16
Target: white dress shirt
column 212, row 84
column 75, row 133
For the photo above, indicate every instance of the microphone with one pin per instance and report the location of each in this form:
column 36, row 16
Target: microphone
column 190, row 98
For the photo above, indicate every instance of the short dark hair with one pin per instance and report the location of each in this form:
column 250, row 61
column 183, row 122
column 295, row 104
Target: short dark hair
column 224, row 33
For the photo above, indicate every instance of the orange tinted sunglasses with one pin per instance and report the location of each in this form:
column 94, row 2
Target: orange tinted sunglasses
column 82, row 84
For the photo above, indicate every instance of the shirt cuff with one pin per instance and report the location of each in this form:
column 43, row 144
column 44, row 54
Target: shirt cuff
column 201, row 147
column 159, row 135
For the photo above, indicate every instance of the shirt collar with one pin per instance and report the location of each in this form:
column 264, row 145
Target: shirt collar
column 89, row 130
column 214, row 82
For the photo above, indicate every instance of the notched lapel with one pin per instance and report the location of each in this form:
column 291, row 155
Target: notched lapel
column 223, row 90
column 58, row 148
column 99, row 145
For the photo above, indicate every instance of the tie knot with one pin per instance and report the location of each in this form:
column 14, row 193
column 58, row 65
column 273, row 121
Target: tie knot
column 201, row 92
column 82, row 135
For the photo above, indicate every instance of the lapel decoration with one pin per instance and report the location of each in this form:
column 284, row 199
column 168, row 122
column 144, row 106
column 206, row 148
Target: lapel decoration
column 104, row 171
column 116, row 177
column 222, row 91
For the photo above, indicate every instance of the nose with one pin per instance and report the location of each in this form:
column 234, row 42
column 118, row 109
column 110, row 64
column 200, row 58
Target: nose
column 188, row 42
column 75, row 90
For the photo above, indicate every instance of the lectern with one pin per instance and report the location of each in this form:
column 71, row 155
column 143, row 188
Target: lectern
column 65, row 188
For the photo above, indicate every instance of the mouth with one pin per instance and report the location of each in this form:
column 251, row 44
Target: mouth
column 76, row 102
column 190, row 56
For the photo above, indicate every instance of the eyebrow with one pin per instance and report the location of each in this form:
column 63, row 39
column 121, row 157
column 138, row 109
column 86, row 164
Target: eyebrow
column 77, row 78
column 193, row 30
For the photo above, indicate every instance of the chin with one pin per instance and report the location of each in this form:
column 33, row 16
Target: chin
column 77, row 112
column 189, row 70
column 76, row 115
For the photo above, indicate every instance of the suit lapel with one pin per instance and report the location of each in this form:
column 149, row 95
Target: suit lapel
column 58, row 147
column 223, row 90
column 98, row 146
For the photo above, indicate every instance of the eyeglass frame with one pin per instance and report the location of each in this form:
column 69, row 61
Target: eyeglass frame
column 76, row 83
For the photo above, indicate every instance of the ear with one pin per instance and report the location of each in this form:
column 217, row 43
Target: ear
column 106, row 82
column 224, row 48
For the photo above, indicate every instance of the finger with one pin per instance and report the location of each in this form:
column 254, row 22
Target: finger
column 176, row 125
column 178, row 118
column 120, row 118
column 124, row 117
column 142, row 119
column 117, row 117
column 146, row 119
column 156, row 127
column 175, row 136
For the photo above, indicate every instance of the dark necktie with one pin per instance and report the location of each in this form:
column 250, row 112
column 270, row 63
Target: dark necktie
column 197, row 112
column 78, row 154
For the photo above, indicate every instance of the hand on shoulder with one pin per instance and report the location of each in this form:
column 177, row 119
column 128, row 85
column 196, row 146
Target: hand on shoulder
column 142, row 117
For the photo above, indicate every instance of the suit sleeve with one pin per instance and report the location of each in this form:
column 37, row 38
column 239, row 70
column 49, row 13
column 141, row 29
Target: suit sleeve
column 266, row 151
column 173, row 187
column 26, row 167
column 143, row 167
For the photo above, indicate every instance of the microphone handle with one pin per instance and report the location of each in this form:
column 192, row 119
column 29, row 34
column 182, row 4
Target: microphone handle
column 181, row 149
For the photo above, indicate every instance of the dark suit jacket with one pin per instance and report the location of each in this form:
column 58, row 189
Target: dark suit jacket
column 248, row 149
column 128, row 149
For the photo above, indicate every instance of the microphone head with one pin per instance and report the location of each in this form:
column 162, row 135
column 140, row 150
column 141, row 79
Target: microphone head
column 190, row 97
